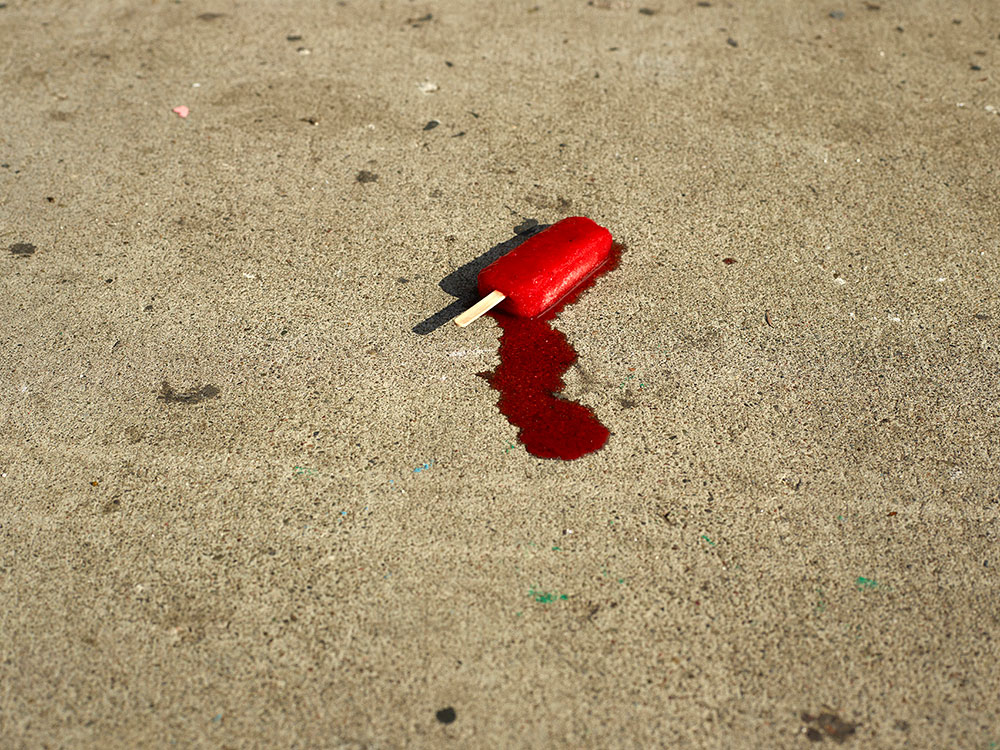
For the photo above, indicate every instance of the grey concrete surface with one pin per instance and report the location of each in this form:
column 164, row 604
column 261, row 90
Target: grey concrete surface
column 245, row 504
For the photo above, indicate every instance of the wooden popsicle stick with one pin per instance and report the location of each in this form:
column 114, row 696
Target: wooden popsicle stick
column 479, row 309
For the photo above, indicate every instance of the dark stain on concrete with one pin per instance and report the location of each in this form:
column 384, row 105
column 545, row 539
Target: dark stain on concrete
column 828, row 724
column 22, row 249
column 197, row 395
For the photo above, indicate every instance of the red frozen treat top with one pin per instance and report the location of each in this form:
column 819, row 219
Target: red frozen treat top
column 545, row 268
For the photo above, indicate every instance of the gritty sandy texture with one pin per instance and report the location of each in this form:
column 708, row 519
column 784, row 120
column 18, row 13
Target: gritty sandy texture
column 243, row 504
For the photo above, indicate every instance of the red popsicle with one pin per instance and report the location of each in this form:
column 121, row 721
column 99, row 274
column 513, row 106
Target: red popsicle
column 534, row 276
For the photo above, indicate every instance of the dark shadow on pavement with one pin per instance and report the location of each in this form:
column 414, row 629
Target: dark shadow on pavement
column 461, row 283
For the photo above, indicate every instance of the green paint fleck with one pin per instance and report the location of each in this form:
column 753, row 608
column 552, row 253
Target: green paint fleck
column 840, row 518
column 545, row 597
column 866, row 583
column 708, row 540
column 556, row 549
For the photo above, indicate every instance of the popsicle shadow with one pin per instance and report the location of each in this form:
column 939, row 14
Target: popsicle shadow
column 461, row 283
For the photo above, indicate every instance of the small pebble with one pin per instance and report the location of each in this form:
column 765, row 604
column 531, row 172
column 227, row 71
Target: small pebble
column 446, row 715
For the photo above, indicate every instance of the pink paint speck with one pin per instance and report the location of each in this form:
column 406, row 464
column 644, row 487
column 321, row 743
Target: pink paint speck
column 181, row 111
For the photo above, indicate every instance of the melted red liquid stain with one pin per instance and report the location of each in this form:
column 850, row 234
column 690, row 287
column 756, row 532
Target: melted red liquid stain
column 533, row 358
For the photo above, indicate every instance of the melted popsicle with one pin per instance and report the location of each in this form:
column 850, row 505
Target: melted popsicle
column 534, row 276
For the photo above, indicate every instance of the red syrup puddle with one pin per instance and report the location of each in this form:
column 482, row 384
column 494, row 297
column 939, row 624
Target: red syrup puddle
column 533, row 358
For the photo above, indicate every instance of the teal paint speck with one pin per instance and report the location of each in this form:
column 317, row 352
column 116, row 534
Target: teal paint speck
column 545, row 597
column 866, row 583
column 708, row 540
